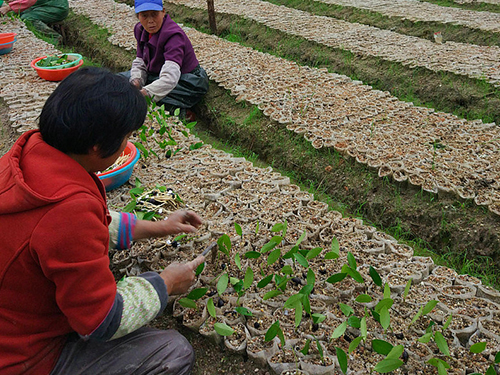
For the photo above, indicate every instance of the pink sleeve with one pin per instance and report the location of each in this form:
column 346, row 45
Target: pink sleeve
column 19, row 6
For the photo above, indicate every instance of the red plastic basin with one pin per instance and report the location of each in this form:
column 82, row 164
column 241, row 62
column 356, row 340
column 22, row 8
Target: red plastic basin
column 7, row 37
column 54, row 74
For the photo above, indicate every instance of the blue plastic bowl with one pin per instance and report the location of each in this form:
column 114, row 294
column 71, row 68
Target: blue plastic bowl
column 5, row 48
column 120, row 175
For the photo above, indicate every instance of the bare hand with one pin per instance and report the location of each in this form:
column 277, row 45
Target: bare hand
column 137, row 83
column 5, row 9
column 179, row 277
column 144, row 92
column 182, row 221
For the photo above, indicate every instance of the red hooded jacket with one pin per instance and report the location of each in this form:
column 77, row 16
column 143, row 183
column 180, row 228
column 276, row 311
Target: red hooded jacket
column 54, row 265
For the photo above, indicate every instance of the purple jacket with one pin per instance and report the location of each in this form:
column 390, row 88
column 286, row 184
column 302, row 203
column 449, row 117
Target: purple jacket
column 168, row 44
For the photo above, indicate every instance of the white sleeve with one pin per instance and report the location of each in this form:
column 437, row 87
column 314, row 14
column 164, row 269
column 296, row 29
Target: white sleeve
column 169, row 77
column 139, row 70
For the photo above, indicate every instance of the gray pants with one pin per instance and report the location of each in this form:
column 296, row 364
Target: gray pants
column 189, row 90
column 145, row 351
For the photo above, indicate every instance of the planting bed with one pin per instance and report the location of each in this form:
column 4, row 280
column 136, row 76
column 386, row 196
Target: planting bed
column 417, row 146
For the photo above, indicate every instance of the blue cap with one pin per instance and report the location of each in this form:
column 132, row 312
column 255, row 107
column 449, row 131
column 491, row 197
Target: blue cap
column 144, row 5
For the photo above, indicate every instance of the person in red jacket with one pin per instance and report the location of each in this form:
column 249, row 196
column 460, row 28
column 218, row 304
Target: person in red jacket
column 61, row 311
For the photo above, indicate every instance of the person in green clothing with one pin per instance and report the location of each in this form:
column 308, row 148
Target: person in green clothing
column 41, row 13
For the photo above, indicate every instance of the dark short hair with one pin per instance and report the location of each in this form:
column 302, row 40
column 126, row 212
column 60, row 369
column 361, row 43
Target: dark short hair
column 92, row 106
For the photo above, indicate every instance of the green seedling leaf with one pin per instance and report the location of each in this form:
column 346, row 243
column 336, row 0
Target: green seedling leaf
column 301, row 260
column 363, row 298
column 491, row 371
column 199, row 269
column 273, row 256
column 381, row 346
column 130, row 207
column 346, row 309
column 425, row 338
column 237, row 261
column 320, row 349
column 306, row 304
column 396, row 352
column 331, row 255
column 257, row 226
column 298, row 313
column 336, row 278
column 342, row 358
column 387, row 291
column 287, row 270
column 441, row 343
column 252, row 254
column 237, row 228
column 375, row 276
column 339, row 331
column 272, row 294
column 266, row 280
column 188, row 303
column 386, row 302
column 351, row 260
column 311, row 277
column 497, row 357
column 478, row 347
column 136, row 191
column 222, row 283
column 278, row 227
column 353, row 273
column 429, row 307
column 301, row 238
column 375, row 315
column 197, row 293
column 417, row 315
column 313, row 253
column 290, row 253
column 248, row 279
column 223, row 329
column 335, row 247
column 273, row 331
column 363, row 328
column 243, row 311
column 407, row 289
column 388, row 365
column 385, row 319
column 293, row 300
column 280, row 281
column 273, row 242
column 211, row 307
column 448, row 322
column 224, row 243
column 318, row 318
column 435, row 362
column 354, row 344
column 234, row 280
column 354, row 321
column 305, row 349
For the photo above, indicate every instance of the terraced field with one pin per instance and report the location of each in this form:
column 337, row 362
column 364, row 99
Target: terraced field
column 434, row 173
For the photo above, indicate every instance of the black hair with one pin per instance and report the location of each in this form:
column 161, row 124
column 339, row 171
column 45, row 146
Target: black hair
column 90, row 107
